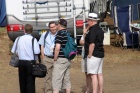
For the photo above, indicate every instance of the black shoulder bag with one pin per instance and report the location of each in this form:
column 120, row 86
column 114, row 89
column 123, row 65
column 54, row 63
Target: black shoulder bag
column 39, row 70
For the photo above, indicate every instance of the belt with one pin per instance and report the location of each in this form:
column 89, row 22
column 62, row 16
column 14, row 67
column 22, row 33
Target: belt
column 27, row 60
column 49, row 56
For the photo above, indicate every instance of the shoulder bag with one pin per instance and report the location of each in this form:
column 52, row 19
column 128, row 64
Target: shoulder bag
column 14, row 58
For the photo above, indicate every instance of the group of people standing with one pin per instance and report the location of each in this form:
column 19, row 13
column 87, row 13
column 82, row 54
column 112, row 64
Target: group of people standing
column 58, row 66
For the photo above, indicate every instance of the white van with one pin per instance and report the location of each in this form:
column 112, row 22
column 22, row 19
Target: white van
column 40, row 12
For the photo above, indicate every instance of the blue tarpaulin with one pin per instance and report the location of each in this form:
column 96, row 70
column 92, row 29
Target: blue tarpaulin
column 134, row 3
column 2, row 13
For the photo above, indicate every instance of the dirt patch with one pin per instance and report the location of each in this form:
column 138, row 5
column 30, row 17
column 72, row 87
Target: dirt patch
column 121, row 68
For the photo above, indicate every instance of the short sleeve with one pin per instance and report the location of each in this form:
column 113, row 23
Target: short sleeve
column 59, row 38
column 82, row 38
column 36, row 47
column 14, row 46
column 92, row 36
column 41, row 40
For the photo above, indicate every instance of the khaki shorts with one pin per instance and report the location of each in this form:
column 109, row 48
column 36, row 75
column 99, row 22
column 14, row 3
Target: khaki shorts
column 61, row 74
column 94, row 65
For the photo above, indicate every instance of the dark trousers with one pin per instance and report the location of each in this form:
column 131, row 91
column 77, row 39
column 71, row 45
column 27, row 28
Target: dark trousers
column 26, row 80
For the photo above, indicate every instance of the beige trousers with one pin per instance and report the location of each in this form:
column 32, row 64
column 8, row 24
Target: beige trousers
column 61, row 74
column 48, row 79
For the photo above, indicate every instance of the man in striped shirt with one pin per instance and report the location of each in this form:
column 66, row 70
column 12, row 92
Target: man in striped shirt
column 61, row 74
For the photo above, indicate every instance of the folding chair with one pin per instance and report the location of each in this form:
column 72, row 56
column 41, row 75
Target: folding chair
column 104, row 26
column 122, row 21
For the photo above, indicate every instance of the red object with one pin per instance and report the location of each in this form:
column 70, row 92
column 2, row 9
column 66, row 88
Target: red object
column 15, row 27
column 79, row 23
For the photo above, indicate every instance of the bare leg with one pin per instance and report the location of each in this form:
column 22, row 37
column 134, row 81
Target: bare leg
column 68, row 90
column 55, row 91
column 100, row 85
column 88, row 81
column 94, row 82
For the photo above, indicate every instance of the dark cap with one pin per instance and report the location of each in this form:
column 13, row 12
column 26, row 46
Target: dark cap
column 62, row 22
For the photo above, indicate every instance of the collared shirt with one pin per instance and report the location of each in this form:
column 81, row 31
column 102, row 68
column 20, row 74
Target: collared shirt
column 24, row 47
column 96, row 36
column 61, row 38
column 49, row 43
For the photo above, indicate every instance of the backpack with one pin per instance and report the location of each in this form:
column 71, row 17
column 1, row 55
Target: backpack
column 70, row 50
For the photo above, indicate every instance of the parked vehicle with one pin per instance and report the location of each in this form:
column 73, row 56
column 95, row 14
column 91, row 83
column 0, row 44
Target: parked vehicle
column 39, row 12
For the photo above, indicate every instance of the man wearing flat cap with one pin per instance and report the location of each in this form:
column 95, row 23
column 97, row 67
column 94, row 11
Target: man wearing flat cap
column 94, row 52
column 61, row 71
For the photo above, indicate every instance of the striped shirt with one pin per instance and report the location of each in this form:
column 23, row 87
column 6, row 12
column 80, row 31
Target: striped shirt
column 61, row 38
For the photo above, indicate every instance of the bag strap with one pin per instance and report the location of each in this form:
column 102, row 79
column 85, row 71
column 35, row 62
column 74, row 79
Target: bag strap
column 16, row 45
column 46, row 36
column 33, row 46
